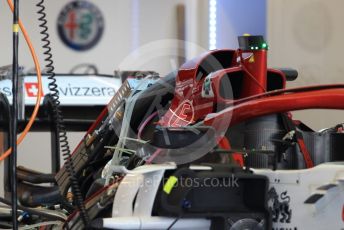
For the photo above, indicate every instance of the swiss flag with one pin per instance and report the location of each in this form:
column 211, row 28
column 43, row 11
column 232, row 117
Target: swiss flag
column 32, row 89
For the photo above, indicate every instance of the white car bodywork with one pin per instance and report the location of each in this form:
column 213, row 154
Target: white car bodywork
column 324, row 210
column 323, row 189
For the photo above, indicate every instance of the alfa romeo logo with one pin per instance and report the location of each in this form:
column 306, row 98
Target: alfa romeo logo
column 80, row 25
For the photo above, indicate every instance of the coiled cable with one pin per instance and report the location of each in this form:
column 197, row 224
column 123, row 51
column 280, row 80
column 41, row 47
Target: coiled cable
column 57, row 114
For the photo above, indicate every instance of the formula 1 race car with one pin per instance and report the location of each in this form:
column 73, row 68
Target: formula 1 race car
column 212, row 146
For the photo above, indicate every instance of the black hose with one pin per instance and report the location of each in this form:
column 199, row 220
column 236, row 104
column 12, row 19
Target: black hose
column 54, row 97
column 14, row 115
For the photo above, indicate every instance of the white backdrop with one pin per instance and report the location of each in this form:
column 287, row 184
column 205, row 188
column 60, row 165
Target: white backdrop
column 128, row 25
column 308, row 35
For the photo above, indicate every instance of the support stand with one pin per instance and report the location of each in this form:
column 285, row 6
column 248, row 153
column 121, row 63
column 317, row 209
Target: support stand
column 5, row 141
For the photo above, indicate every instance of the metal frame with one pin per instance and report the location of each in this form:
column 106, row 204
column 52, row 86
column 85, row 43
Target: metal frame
column 77, row 119
column 5, row 140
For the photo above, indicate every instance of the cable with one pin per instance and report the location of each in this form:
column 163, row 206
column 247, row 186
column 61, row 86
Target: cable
column 173, row 223
column 144, row 124
column 139, row 135
column 54, row 97
column 153, row 156
column 33, row 211
column 42, row 224
column 14, row 115
column 39, row 94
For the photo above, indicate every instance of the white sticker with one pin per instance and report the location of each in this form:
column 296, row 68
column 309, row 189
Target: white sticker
column 73, row 90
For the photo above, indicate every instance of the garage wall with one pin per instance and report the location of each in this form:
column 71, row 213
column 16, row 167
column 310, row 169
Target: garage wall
column 234, row 18
column 128, row 25
column 103, row 54
column 308, row 36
